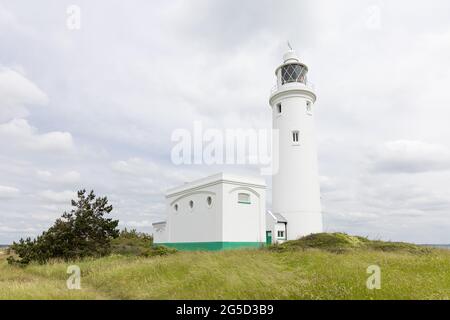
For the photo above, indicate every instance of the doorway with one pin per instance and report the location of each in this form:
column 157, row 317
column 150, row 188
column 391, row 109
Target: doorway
column 268, row 238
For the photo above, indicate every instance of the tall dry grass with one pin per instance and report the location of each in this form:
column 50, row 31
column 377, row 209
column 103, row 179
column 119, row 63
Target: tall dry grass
column 249, row 274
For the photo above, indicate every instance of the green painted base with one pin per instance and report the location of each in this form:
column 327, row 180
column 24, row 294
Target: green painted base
column 211, row 246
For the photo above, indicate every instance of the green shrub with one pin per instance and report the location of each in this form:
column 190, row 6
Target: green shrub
column 84, row 232
column 131, row 242
column 158, row 251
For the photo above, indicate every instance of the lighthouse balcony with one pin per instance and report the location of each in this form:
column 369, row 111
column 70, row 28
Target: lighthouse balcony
column 292, row 85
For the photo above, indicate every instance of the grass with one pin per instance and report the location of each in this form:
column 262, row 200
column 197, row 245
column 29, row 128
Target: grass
column 341, row 242
column 317, row 267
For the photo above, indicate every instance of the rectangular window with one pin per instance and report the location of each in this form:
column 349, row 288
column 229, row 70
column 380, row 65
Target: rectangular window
column 244, row 198
column 281, row 234
column 279, row 108
column 295, row 137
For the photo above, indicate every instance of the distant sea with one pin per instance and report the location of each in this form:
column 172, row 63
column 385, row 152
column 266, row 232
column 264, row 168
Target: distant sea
column 441, row 246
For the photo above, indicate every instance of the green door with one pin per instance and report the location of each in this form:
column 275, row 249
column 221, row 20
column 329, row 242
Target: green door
column 268, row 238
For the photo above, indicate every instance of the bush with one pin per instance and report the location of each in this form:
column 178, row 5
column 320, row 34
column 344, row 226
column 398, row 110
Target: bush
column 158, row 251
column 131, row 242
column 84, row 232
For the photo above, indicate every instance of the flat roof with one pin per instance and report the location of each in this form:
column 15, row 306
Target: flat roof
column 255, row 182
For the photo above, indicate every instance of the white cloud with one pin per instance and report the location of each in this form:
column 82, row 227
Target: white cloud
column 17, row 92
column 171, row 65
column 327, row 184
column 134, row 167
column 6, row 17
column 57, row 197
column 8, row 192
column 69, row 177
column 137, row 224
column 46, row 217
column 404, row 156
column 8, row 229
column 153, row 172
column 18, row 133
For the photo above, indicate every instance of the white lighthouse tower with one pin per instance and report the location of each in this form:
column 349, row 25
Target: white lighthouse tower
column 296, row 190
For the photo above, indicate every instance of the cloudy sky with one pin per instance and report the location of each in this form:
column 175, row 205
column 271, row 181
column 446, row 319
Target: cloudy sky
column 95, row 108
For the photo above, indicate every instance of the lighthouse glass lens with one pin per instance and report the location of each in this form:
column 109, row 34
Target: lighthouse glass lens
column 293, row 73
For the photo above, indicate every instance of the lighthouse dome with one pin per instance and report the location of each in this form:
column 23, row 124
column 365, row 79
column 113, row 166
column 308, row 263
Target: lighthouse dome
column 290, row 56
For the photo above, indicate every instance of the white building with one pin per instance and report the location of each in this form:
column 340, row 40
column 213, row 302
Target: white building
column 276, row 226
column 296, row 190
column 225, row 211
column 218, row 212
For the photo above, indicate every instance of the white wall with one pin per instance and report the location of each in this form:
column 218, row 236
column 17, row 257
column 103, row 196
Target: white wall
column 278, row 227
column 296, row 190
column 270, row 223
column 202, row 223
column 160, row 233
column 244, row 222
column 226, row 220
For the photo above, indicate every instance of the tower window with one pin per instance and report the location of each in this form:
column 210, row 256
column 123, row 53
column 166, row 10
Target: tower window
column 191, row 204
column 175, row 207
column 244, row 198
column 279, row 109
column 295, row 137
column 308, row 107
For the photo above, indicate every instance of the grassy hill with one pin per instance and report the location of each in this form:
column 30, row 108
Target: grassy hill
column 325, row 266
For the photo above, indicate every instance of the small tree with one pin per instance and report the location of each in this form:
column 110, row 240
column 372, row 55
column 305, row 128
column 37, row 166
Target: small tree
column 83, row 232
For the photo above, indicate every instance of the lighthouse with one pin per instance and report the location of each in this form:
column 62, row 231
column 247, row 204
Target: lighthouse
column 296, row 190
column 228, row 211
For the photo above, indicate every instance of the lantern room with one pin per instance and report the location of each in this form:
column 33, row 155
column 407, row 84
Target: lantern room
column 292, row 70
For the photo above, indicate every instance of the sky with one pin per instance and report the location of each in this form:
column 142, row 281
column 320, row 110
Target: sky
column 95, row 107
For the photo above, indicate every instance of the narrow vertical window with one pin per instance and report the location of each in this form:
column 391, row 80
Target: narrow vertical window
column 279, row 109
column 295, row 137
column 308, row 107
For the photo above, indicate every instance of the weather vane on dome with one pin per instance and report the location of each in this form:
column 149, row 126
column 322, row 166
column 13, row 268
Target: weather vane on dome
column 289, row 45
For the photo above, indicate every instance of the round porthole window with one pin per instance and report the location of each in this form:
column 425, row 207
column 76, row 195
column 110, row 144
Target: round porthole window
column 191, row 204
column 209, row 201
